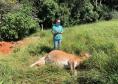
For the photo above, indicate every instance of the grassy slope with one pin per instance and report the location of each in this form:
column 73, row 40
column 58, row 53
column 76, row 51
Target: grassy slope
column 101, row 39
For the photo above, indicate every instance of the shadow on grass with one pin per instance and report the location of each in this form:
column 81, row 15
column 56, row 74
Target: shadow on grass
column 89, row 80
column 45, row 49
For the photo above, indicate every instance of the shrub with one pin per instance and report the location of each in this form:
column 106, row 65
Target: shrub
column 46, row 11
column 87, row 14
column 114, row 14
column 104, row 12
column 64, row 11
column 17, row 25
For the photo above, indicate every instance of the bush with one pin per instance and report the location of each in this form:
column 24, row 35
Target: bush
column 114, row 14
column 104, row 12
column 46, row 11
column 64, row 11
column 4, row 8
column 83, row 12
column 17, row 25
column 87, row 14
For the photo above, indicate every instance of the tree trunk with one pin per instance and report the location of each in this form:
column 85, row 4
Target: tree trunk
column 100, row 2
column 96, row 3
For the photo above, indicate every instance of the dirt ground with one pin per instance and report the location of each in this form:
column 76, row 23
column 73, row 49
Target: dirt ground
column 7, row 47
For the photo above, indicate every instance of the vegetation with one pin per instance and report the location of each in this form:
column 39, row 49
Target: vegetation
column 18, row 24
column 98, row 38
column 22, row 18
column 74, row 12
column 70, row 12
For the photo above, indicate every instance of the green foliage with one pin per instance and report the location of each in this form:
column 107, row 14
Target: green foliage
column 70, row 12
column 97, row 38
column 16, row 69
column 64, row 15
column 106, row 13
column 17, row 25
column 4, row 8
column 91, row 77
column 87, row 14
column 101, row 68
column 114, row 14
column 49, row 8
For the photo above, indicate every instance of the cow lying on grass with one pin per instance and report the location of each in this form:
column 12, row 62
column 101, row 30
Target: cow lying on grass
column 62, row 59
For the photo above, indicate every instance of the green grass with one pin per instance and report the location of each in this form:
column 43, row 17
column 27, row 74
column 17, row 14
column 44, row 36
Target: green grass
column 100, row 39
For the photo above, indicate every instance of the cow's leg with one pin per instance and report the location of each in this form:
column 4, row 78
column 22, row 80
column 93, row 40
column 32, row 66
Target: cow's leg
column 40, row 62
column 71, row 65
column 75, row 70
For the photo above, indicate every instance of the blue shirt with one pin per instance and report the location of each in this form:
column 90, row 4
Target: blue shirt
column 57, row 29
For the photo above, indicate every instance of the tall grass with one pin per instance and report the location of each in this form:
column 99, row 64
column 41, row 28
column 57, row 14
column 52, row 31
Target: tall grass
column 100, row 39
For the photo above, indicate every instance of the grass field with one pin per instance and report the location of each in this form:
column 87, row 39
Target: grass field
column 100, row 39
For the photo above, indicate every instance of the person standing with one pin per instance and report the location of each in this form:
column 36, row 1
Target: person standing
column 57, row 31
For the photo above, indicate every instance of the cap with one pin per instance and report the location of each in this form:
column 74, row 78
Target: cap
column 58, row 21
